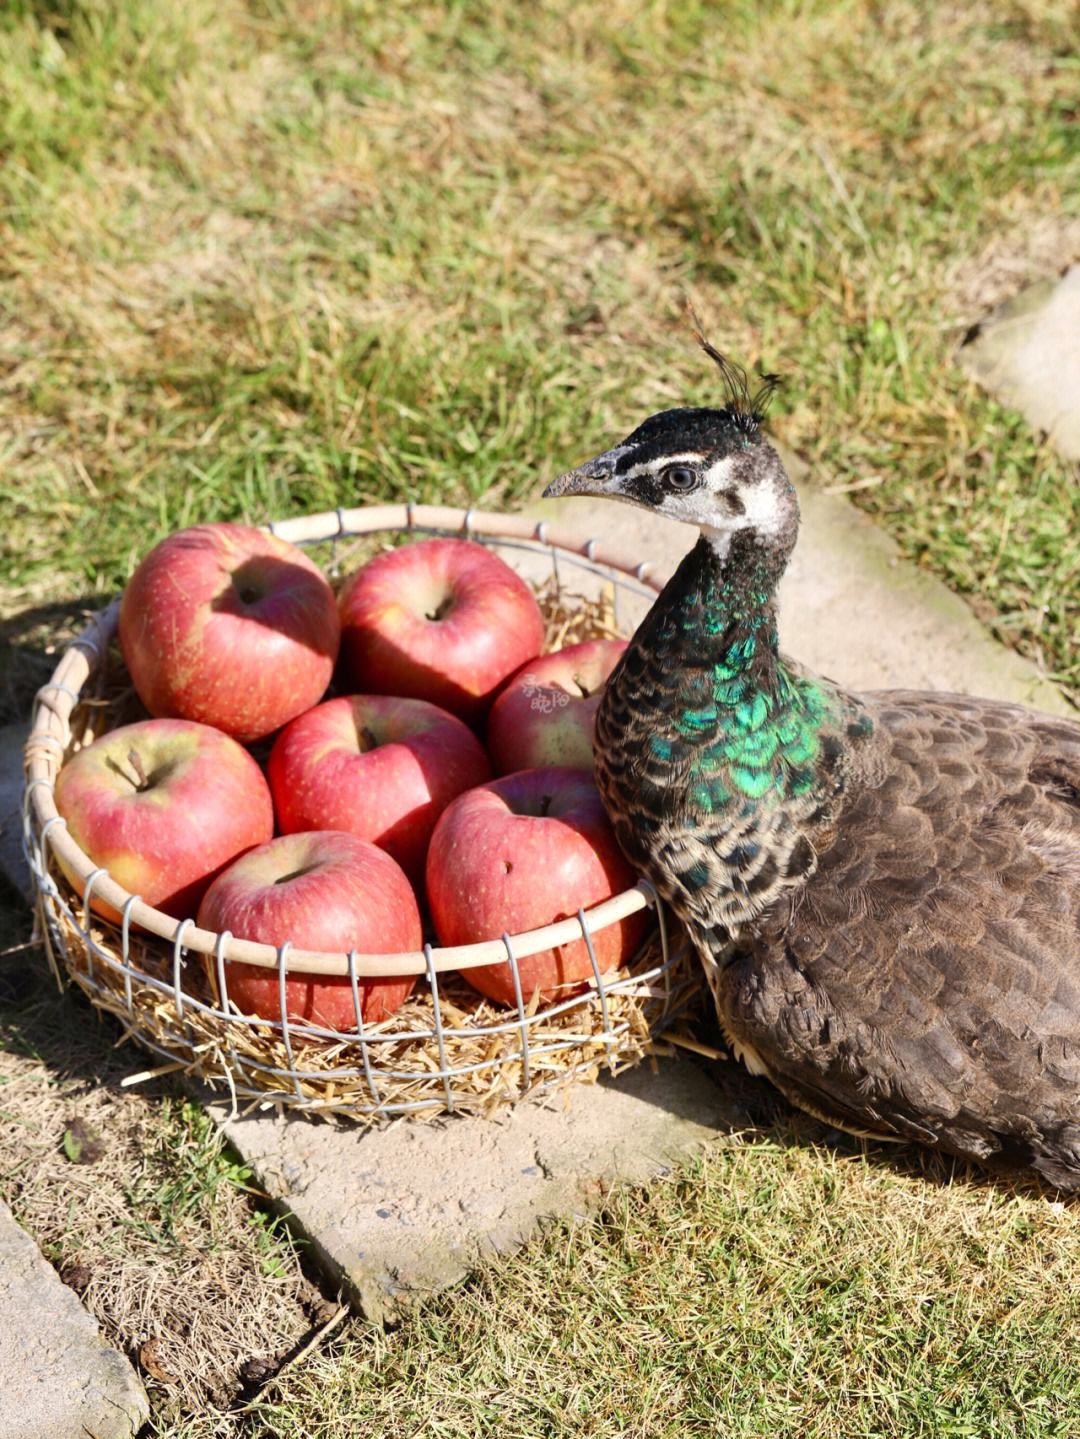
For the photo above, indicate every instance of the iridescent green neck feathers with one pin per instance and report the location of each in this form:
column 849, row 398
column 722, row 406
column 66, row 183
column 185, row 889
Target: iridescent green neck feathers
column 741, row 729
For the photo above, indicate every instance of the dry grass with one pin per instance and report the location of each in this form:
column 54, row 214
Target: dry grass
column 1011, row 261
column 145, row 1215
column 130, row 1192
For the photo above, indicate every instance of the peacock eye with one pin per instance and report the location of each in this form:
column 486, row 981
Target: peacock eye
column 679, row 477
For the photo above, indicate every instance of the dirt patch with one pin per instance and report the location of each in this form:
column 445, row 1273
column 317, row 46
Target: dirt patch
column 131, row 1194
column 130, row 1191
column 1010, row 262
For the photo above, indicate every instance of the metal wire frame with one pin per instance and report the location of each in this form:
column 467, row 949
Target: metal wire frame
column 247, row 1078
column 96, row 967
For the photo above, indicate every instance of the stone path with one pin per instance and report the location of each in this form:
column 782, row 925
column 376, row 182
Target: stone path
column 1027, row 353
column 58, row 1378
column 397, row 1213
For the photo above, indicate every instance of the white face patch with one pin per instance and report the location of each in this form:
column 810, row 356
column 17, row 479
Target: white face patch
column 765, row 504
column 762, row 503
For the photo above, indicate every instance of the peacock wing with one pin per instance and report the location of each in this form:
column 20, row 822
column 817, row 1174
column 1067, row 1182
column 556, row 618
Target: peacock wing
column 925, row 981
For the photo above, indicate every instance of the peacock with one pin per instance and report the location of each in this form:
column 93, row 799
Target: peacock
column 883, row 888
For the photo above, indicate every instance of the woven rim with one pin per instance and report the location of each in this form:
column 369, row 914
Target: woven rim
column 50, row 736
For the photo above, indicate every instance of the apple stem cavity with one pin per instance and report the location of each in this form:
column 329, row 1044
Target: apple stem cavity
column 442, row 609
column 296, row 873
column 137, row 777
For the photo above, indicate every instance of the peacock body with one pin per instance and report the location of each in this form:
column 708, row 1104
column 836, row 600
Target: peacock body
column 884, row 889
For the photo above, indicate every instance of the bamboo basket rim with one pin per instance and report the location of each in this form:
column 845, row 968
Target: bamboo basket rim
column 57, row 699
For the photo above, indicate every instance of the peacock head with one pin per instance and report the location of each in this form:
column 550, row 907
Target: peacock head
column 707, row 467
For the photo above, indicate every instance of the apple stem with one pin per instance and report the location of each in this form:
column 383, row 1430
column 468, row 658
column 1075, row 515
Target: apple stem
column 545, row 805
column 140, row 772
column 296, row 873
column 369, row 738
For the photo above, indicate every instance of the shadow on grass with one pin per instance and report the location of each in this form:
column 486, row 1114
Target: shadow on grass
column 60, row 1030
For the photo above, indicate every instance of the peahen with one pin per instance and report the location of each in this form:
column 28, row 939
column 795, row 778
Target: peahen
column 884, row 888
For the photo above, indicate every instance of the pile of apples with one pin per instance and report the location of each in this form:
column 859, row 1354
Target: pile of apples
column 382, row 797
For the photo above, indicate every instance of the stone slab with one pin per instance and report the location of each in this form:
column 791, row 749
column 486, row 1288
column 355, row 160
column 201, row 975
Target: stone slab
column 58, row 1377
column 851, row 607
column 12, row 864
column 397, row 1213
column 1027, row 354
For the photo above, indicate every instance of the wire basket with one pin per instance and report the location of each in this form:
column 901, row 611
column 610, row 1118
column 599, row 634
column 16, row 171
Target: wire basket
column 447, row 1049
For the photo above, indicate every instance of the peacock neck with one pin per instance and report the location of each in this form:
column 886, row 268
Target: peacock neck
column 717, row 618
column 742, row 728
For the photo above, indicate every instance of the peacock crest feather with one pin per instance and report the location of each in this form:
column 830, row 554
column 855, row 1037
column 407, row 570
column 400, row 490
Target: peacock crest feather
column 746, row 407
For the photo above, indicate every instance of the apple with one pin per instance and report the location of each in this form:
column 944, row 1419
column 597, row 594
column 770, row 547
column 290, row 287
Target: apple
column 518, row 853
column 229, row 626
column 164, row 806
column 380, row 767
column 322, row 890
column 544, row 715
column 439, row 620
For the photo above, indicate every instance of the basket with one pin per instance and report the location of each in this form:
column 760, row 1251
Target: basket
column 447, row 1049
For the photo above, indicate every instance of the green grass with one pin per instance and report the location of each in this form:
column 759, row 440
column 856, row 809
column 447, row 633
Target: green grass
column 261, row 258
column 265, row 257
column 774, row 1288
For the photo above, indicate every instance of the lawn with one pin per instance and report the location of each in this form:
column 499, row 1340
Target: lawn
column 260, row 258
column 265, row 257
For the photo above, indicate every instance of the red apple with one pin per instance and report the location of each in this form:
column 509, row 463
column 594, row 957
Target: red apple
column 545, row 714
column 379, row 767
column 228, row 625
column 440, row 620
column 323, row 890
column 518, row 853
column 164, row 805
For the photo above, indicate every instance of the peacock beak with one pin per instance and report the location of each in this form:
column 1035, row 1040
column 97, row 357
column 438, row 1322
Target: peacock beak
column 594, row 477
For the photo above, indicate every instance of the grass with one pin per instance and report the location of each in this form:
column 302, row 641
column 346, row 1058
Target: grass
column 782, row 1284
column 264, row 256
column 773, row 1288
